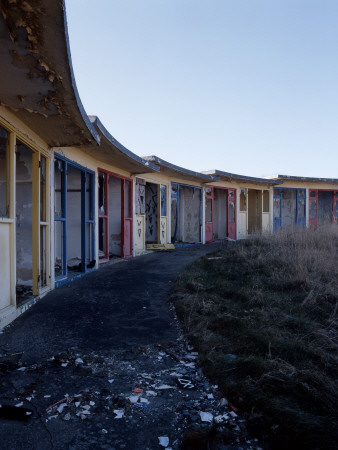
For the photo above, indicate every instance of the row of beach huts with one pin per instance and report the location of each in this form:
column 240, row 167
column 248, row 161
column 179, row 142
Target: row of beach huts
column 73, row 198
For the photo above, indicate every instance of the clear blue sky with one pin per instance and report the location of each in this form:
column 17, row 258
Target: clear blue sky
column 243, row 86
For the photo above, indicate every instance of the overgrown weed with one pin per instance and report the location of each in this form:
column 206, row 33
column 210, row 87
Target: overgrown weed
column 264, row 320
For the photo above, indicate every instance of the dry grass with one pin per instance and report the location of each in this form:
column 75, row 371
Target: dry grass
column 263, row 316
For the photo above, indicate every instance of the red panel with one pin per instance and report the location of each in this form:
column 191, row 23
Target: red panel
column 209, row 232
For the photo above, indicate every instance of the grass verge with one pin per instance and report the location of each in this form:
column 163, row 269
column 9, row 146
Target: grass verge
column 262, row 314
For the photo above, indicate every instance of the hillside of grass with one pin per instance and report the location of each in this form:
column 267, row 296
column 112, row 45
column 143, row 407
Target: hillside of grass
column 262, row 314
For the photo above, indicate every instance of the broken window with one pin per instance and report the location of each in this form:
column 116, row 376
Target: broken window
column 163, row 200
column 242, row 200
column 4, row 173
column 266, row 203
column 140, row 193
column 102, row 193
column 301, row 208
column 127, row 190
column 276, row 208
column 208, row 210
column 231, row 211
column 313, row 208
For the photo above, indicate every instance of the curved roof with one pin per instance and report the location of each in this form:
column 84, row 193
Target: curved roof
column 176, row 171
column 113, row 152
column 36, row 76
column 305, row 179
column 235, row 177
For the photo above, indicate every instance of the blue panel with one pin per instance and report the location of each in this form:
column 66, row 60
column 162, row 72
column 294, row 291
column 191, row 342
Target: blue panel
column 83, row 221
column 301, row 207
column 277, row 209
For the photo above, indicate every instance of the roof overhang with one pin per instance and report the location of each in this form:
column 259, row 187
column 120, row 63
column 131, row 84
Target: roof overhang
column 174, row 171
column 36, row 76
column 112, row 152
column 303, row 179
column 227, row 176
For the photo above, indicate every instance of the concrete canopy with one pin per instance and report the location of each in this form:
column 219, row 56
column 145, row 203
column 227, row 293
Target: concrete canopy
column 234, row 177
column 304, row 179
column 179, row 172
column 36, row 75
column 112, row 152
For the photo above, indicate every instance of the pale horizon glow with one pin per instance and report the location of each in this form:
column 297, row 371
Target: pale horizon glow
column 242, row 86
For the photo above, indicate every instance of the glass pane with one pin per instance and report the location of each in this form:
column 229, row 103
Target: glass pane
column 4, row 174
column 140, row 200
column 231, row 194
column 58, row 242
column 301, row 208
column 24, row 214
column 313, row 193
column 301, row 192
column 102, row 194
column 313, row 209
column 89, row 246
column 174, row 224
column 207, row 191
column 242, row 200
column 127, row 208
column 59, row 167
column 276, row 208
column 89, row 206
column 208, row 210
column 231, row 212
column 266, row 205
column 102, row 237
column 163, row 200
column 43, row 257
column 43, row 164
column 336, row 209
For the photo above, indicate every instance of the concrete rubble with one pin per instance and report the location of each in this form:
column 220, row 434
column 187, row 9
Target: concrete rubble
column 71, row 388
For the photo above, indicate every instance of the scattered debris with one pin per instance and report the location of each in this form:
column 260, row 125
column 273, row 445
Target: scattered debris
column 185, row 384
column 206, row 416
column 119, row 413
column 163, row 441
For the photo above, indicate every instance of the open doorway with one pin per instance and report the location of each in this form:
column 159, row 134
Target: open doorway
column 74, row 240
column 220, row 213
column 115, row 216
column 186, row 217
column 254, row 211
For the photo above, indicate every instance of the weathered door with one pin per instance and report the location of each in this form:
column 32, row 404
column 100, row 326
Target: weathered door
column 301, row 207
column 127, row 218
column 313, row 207
column 209, row 211
column 277, row 209
column 335, row 206
column 232, row 213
